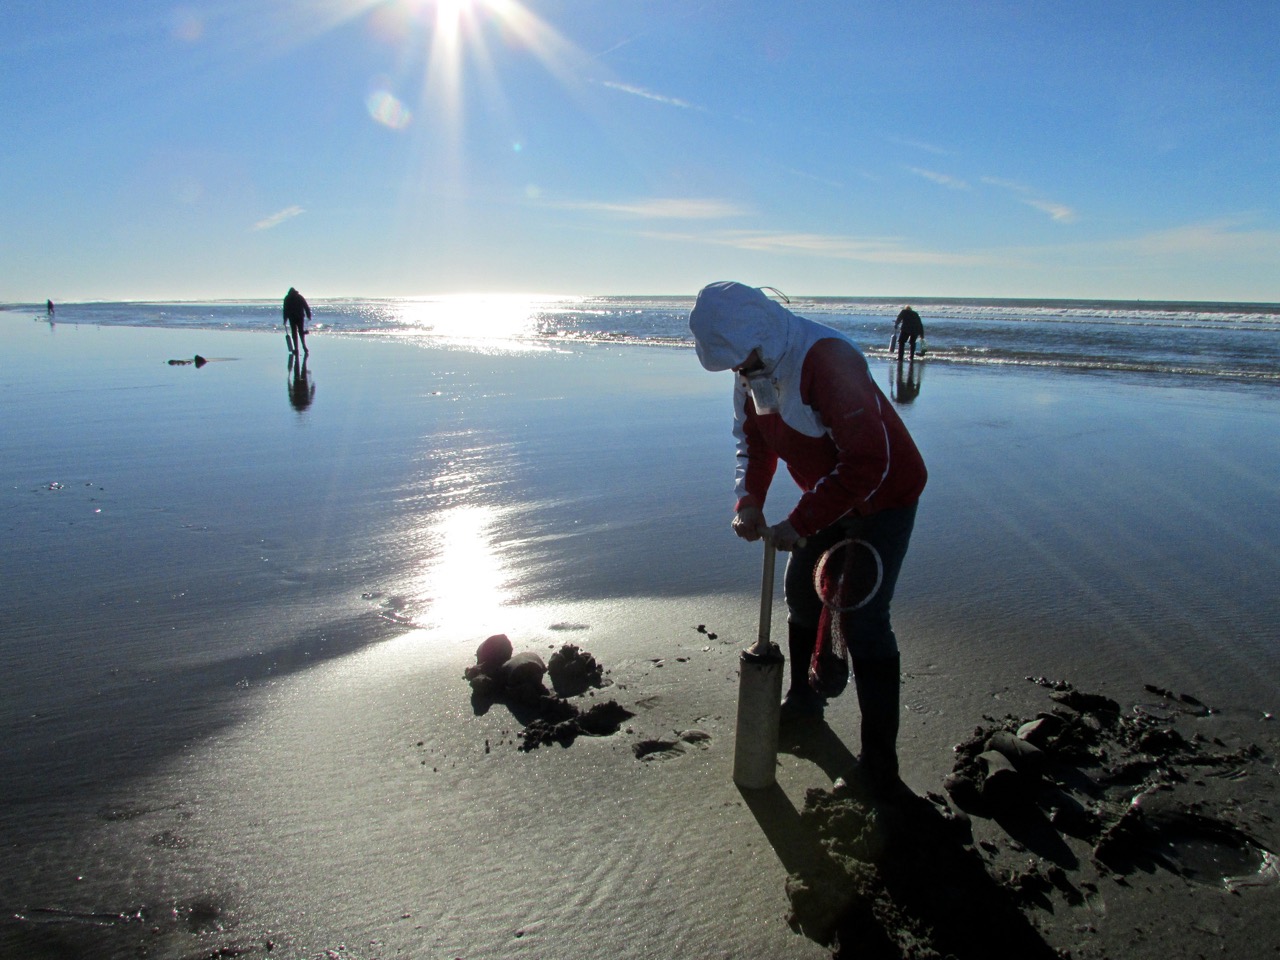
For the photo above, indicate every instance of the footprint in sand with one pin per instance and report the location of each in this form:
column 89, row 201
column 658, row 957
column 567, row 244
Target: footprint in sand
column 650, row 750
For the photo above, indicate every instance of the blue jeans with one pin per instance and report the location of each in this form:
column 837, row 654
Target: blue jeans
column 867, row 629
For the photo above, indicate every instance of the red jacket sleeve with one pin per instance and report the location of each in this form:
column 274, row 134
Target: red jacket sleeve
column 836, row 383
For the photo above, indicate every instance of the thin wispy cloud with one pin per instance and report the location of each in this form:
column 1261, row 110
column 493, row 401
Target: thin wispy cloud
column 1058, row 212
column 1217, row 238
column 831, row 246
column 919, row 145
column 1225, row 241
column 942, row 179
column 288, row 213
column 687, row 11
column 636, row 91
column 660, row 208
column 1013, row 185
column 828, row 181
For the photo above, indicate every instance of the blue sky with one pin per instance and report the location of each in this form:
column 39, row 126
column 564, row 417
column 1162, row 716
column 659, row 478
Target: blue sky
column 410, row 147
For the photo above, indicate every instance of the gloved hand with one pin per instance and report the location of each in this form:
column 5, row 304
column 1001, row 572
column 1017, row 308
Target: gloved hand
column 785, row 537
column 749, row 524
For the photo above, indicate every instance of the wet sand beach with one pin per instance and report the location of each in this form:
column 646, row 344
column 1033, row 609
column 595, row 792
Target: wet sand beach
column 238, row 610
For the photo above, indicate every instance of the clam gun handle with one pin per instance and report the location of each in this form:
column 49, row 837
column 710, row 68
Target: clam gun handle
column 761, row 646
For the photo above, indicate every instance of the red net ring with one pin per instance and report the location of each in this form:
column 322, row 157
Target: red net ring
column 819, row 569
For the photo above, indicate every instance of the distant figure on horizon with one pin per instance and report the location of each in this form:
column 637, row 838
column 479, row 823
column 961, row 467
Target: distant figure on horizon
column 48, row 307
column 296, row 311
column 908, row 326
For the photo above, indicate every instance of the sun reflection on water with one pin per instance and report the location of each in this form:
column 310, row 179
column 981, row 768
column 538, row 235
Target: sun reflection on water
column 465, row 583
column 473, row 317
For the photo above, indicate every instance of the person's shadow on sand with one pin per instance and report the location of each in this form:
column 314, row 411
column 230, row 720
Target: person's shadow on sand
column 301, row 388
column 885, row 878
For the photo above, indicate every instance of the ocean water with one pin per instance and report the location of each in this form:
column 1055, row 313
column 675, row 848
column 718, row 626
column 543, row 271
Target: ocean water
column 1232, row 341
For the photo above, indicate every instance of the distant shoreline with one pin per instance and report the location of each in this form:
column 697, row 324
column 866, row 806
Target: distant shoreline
column 1261, row 306
column 1227, row 343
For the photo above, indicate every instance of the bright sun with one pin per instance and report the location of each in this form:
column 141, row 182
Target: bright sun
column 449, row 14
column 457, row 24
column 452, row 55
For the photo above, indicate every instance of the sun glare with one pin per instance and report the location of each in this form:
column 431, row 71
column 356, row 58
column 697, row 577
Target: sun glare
column 452, row 39
column 449, row 14
column 467, row 583
column 449, row 66
column 471, row 317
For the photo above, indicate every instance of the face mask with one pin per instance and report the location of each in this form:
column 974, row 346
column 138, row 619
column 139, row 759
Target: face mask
column 764, row 393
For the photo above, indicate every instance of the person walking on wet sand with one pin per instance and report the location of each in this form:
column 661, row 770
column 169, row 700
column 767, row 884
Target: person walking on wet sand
column 296, row 312
column 803, row 393
column 908, row 326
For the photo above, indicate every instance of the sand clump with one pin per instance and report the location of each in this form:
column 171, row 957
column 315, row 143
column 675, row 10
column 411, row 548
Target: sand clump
column 1072, row 802
column 517, row 680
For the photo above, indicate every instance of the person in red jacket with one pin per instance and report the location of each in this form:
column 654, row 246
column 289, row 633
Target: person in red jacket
column 803, row 394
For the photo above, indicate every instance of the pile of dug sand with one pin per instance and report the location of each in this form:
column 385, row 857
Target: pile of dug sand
column 516, row 680
column 1072, row 802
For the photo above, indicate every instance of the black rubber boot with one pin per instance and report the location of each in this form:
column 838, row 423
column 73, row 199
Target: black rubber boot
column 878, row 685
column 801, row 701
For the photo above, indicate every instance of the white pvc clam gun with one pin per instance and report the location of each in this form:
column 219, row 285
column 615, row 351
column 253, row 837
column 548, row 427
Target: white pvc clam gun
column 755, row 751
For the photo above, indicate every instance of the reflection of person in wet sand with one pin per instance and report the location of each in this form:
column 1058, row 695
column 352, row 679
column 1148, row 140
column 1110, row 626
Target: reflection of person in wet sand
column 906, row 385
column 296, row 312
column 301, row 390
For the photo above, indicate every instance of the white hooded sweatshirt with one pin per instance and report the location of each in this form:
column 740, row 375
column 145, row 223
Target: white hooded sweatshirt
column 813, row 403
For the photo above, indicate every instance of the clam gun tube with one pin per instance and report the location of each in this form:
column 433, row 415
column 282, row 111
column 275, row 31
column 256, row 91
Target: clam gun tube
column 755, row 753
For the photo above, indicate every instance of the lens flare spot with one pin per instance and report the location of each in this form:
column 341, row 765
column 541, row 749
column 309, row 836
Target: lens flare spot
column 387, row 109
column 187, row 26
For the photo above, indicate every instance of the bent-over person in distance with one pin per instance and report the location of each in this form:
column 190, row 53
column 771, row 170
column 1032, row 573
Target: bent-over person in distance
column 296, row 312
column 908, row 326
